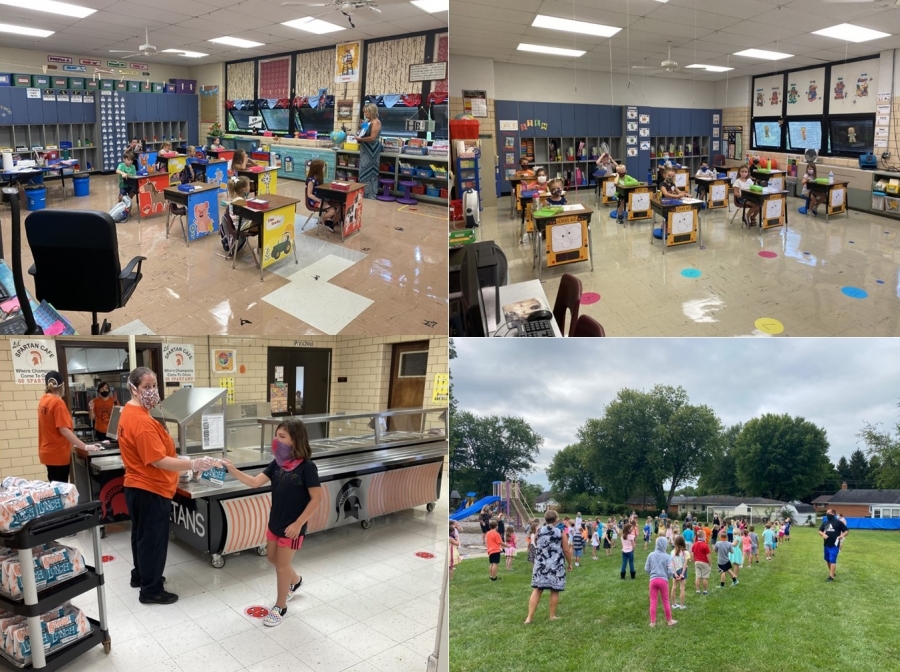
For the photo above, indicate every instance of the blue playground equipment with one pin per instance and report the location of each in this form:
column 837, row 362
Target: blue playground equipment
column 463, row 513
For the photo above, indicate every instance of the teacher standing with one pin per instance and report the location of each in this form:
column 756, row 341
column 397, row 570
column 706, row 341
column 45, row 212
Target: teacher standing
column 55, row 435
column 369, row 137
column 151, row 474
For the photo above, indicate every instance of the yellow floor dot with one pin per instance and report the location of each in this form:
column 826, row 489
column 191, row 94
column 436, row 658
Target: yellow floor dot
column 769, row 325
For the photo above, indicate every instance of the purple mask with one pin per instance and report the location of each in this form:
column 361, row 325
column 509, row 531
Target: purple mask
column 282, row 452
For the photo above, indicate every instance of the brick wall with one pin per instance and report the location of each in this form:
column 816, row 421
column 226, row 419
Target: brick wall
column 365, row 361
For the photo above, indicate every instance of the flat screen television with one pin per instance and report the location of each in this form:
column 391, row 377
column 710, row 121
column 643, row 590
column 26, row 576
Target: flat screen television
column 805, row 135
column 851, row 136
column 276, row 120
column 766, row 134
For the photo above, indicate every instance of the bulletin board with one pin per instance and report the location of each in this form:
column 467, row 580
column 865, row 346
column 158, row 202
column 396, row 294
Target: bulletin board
column 768, row 94
column 806, row 92
column 209, row 104
column 854, row 87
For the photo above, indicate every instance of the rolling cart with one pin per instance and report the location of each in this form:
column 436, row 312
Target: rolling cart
column 43, row 530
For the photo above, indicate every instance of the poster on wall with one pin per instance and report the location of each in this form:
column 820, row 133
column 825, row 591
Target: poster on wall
column 228, row 384
column 632, row 151
column 644, row 132
column 178, row 363
column 768, row 93
column 224, row 360
column 475, row 103
column 853, row 87
column 644, row 118
column 32, row 359
column 806, row 92
column 347, row 59
column 715, row 120
column 631, row 126
column 440, row 393
column 631, row 113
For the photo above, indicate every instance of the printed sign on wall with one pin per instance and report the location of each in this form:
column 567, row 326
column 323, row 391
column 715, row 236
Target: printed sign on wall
column 32, row 359
column 347, row 58
column 768, row 93
column 224, row 360
column 853, row 87
column 178, row 363
column 806, row 92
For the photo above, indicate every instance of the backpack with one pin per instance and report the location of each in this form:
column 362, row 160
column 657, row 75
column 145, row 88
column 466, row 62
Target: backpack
column 120, row 211
column 226, row 238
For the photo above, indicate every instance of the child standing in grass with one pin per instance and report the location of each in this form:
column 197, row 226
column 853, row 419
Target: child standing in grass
column 748, row 548
column 608, row 539
column 577, row 545
column 769, row 541
column 454, row 546
column 700, row 551
column 595, row 541
column 680, row 559
column 494, row 546
column 628, row 538
column 754, row 545
column 646, row 533
column 723, row 551
column 531, row 539
column 737, row 552
column 510, row 547
column 501, row 525
column 659, row 567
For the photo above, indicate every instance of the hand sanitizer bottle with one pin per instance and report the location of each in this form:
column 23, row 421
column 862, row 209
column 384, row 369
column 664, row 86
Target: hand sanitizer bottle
column 830, row 177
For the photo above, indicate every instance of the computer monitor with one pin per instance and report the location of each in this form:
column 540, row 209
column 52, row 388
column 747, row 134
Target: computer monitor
column 852, row 136
column 112, row 431
column 804, row 134
column 767, row 134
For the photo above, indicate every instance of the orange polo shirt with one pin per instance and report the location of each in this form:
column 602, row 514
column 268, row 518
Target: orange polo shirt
column 493, row 541
column 54, row 449
column 143, row 441
column 102, row 412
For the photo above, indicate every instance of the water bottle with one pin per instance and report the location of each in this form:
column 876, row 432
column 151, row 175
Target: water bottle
column 830, row 177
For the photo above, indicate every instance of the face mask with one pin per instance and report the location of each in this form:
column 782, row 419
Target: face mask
column 148, row 398
column 557, row 192
column 704, row 168
column 541, row 179
column 281, row 451
column 104, row 393
column 809, row 172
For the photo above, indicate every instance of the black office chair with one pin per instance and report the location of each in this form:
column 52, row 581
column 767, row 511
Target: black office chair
column 76, row 262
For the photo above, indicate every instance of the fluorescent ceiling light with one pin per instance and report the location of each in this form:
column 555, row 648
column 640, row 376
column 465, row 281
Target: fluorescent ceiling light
column 580, row 27
column 851, row 33
column 432, row 6
column 20, row 30
column 762, row 53
column 236, row 42
column 189, row 54
column 710, row 68
column 313, row 25
column 556, row 51
column 50, row 6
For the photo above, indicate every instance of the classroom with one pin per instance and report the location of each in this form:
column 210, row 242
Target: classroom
column 234, row 168
column 607, row 196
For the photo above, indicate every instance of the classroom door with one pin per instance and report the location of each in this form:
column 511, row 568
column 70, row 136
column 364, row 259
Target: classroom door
column 409, row 366
column 299, row 383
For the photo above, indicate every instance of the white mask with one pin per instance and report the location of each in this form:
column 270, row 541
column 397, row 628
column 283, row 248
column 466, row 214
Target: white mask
column 542, row 179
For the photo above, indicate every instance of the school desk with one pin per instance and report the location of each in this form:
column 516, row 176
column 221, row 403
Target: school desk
column 221, row 153
column 605, row 188
column 211, row 171
column 772, row 206
column 774, row 178
column 567, row 235
column 530, row 290
column 638, row 199
column 202, row 206
column 350, row 205
column 526, row 205
column 681, row 221
column 682, row 178
column 717, row 190
column 276, row 228
column 514, row 194
column 149, row 189
column 835, row 197
column 263, row 181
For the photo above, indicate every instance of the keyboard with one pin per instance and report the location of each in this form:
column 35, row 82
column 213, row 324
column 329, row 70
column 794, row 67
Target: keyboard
column 4, row 295
column 13, row 327
column 538, row 328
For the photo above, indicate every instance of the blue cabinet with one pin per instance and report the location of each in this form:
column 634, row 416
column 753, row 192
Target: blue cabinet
column 150, row 106
column 34, row 111
column 541, row 112
column 89, row 113
column 63, row 112
column 128, row 101
column 506, row 110
column 598, row 121
column 140, row 106
column 567, row 121
column 193, row 120
column 76, row 115
column 6, row 116
column 18, row 104
column 663, row 114
column 554, row 120
column 707, row 125
column 593, row 120
column 182, row 103
column 615, row 121
column 526, row 114
column 581, row 120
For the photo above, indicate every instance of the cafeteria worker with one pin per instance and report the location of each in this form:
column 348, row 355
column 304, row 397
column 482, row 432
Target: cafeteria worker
column 151, row 474
column 101, row 410
column 55, row 435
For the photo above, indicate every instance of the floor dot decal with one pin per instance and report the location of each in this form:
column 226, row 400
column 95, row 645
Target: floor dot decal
column 806, row 253
column 768, row 254
column 769, row 325
column 425, row 555
column 854, row 292
column 691, row 272
column 108, row 558
column 850, row 241
column 880, row 282
column 589, row 297
column 256, row 612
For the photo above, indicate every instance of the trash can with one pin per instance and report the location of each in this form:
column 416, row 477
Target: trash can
column 82, row 184
column 36, row 179
column 35, row 197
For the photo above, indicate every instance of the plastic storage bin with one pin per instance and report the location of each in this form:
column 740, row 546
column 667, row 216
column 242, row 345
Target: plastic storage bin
column 892, row 204
column 433, row 192
column 35, row 197
column 877, row 201
column 82, row 185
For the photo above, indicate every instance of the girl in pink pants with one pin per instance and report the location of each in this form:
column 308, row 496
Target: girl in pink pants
column 659, row 567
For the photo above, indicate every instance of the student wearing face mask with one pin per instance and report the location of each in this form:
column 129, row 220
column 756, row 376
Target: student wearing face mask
column 296, row 495
column 101, row 410
column 540, row 181
column 620, row 206
column 55, row 435
column 706, row 173
column 557, row 194
column 813, row 198
column 151, row 474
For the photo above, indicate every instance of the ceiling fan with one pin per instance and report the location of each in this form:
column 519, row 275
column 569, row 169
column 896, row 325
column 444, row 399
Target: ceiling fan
column 143, row 50
column 345, row 7
column 667, row 65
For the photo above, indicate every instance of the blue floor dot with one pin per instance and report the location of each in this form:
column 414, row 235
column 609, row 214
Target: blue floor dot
column 806, row 253
column 880, row 282
column 691, row 272
column 850, row 241
column 854, row 292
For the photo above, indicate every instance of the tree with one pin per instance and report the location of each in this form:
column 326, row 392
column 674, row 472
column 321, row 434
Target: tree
column 490, row 448
column 858, row 471
column 530, row 491
column 646, row 439
column 719, row 475
column 569, row 475
column 781, row 457
column 843, row 468
column 884, row 454
column 830, row 484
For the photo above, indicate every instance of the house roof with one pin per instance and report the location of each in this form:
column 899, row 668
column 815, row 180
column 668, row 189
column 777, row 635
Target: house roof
column 865, row 497
column 804, row 508
column 822, row 499
column 543, row 497
column 726, row 500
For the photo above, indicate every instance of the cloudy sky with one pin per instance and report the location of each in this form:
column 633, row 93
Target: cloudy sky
column 556, row 384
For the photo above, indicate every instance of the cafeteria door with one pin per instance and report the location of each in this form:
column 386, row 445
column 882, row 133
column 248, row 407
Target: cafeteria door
column 409, row 366
column 299, row 383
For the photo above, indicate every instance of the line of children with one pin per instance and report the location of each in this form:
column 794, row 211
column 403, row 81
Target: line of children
column 769, row 541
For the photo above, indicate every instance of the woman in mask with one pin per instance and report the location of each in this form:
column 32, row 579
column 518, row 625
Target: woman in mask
column 101, row 410
column 296, row 495
column 55, row 435
column 151, row 474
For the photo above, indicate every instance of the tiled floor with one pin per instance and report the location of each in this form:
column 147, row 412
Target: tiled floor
column 388, row 279
column 643, row 293
column 367, row 604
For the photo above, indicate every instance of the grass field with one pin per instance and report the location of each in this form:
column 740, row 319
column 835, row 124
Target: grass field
column 782, row 617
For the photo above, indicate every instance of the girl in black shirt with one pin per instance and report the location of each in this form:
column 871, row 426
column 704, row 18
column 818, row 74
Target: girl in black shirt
column 296, row 495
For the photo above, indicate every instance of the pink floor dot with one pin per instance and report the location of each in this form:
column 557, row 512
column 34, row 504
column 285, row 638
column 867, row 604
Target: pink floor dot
column 589, row 297
column 768, row 254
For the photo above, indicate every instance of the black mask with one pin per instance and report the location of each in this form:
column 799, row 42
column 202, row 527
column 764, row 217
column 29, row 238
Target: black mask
column 557, row 192
column 104, row 393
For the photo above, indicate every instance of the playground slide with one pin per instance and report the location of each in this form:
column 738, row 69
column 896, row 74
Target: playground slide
column 462, row 514
column 522, row 510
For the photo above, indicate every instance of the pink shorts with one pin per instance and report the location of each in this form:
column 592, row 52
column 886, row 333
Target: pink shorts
column 284, row 542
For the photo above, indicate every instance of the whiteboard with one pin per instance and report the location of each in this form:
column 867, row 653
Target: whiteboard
column 853, row 87
column 806, row 92
column 768, row 93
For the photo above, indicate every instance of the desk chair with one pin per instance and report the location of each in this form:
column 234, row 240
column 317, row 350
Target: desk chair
column 64, row 241
column 740, row 208
column 568, row 298
column 180, row 212
column 588, row 326
column 239, row 236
